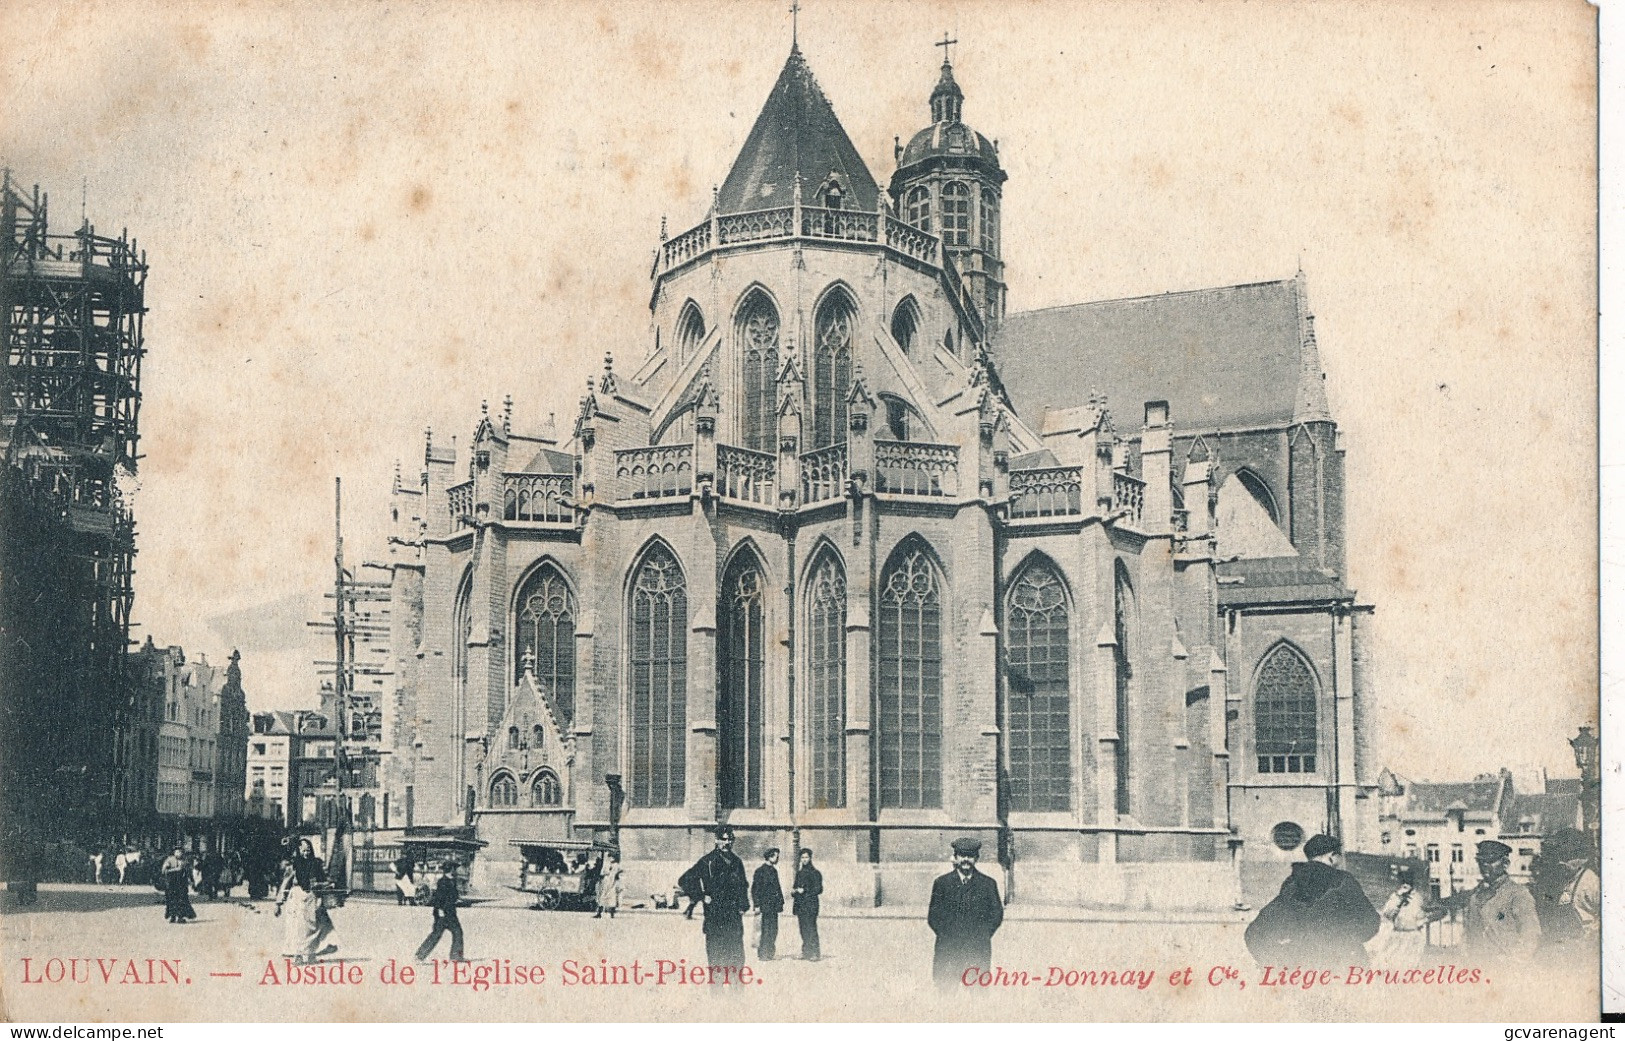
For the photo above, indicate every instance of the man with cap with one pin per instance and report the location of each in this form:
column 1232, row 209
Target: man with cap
column 1499, row 921
column 965, row 912
column 1320, row 917
column 717, row 881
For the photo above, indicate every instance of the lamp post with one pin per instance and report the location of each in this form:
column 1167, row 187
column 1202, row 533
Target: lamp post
column 1585, row 745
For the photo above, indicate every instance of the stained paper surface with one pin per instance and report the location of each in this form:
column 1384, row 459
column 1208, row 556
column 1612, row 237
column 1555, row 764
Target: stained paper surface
column 366, row 220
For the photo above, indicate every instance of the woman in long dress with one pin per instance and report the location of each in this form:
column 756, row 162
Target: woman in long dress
column 297, row 903
column 1402, row 943
column 176, row 874
column 609, row 888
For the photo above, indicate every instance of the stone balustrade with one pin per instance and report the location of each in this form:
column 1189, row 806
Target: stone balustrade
column 746, row 476
column 812, row 222
column 916, row 468
column 460, row 501
column 1128, row 494
column 686, row 246
column 1047, row 491
column 657, row 472
column 538, row 498
column 755, row 225
column 823, row 474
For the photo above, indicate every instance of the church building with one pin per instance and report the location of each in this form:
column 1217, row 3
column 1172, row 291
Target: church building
column 853, row 560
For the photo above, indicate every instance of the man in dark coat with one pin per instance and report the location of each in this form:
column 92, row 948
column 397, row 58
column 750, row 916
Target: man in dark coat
column 1321, row 917
column 805, row 891
column 768, row 897
column 444, row 905
column 717, row 880
column 965, row 913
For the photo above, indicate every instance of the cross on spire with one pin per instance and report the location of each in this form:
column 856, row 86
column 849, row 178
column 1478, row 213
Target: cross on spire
column 795, row 18
column 945, row 43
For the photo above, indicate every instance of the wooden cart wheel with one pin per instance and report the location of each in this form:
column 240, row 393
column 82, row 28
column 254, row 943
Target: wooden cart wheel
column 547, row 899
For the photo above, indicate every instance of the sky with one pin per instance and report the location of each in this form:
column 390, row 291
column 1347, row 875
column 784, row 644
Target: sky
column 363, row 219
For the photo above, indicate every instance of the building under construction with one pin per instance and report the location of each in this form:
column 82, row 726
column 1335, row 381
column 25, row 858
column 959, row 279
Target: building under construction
column 74, row 751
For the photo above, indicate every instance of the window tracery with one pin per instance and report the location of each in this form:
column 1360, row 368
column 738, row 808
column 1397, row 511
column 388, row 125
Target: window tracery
column 909, row 653
column 826, row 661
column 504, row 792
column 832, row 368
column 1284, row 714
column 658, row 680
column 545, row 638
column 1038, row 628
column 759, row 346
column 740, row 700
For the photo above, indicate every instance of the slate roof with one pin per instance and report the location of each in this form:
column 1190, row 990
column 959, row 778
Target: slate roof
column 1430, row 799
column 550, row 461
column 797, row 131
column 1222, row 358
column 1271, row 580
column 1549, row 811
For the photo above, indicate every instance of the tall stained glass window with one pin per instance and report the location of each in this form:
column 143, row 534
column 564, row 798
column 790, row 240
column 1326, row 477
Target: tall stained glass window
column 826, row 679
column 546, row 636
column 1284, row 714
column 759, row 366
column 908, row 650
column 741, row 669
column 1039, row 710
column 832, row 368
column 659, row 680
column 1123, row 631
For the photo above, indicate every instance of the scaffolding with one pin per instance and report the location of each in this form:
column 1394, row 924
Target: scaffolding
column 71, row 312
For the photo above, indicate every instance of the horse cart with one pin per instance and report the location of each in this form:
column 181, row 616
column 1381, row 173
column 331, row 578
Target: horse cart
column 562, row 875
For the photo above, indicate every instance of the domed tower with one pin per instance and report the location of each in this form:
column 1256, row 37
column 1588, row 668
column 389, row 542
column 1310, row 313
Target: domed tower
column 949, row 183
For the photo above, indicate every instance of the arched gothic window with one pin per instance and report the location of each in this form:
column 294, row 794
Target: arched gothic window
column 905, row 324
column 1122, row 631
column 513, row 738
column 739, row 696
column 545, row 613
column 462, row 624
column 1038, row 645
column 1284, row 721
column 536, row 736
column 917, row 208
column 504, row 792
column 955, row 214
column 690, row 331
column 826, row 674
column 659, row 680
column 759, row 351
column 990, row 220
column 909, row 669
column 832, row 367
column 545, row 789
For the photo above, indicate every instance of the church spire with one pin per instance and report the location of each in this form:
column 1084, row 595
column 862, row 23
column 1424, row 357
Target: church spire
column 947, row 99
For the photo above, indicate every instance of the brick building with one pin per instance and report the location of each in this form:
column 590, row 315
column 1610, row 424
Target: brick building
column 853, row 560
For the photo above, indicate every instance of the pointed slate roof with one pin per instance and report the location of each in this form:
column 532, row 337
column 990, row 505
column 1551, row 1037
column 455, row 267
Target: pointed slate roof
column 797, row 132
